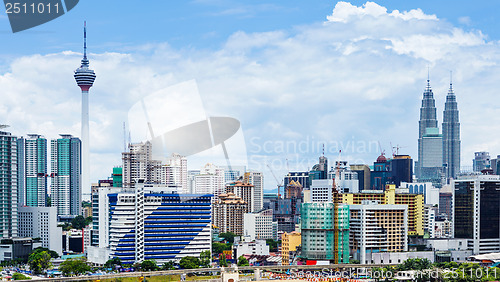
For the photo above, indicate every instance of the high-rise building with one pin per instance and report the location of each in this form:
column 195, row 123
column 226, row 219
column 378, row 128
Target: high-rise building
column 138, row 163
column 41, row 222
column 158, row 224
column 258, row 225
column 289, row 244
column 377, row 228
column 35, row 162
column 117, row 177
column 298, row 177
column 363, row 172
column 256, row 178
column 245, row 191
column 323, row 237
column 381, row 174
column 451, row 136
column 393, row 196
column 85, row 78
column 431, row 161
column 476, row 212
column 319, row 170
column 21, row 172
column 8, row 185
column 210, row 180
column 401, row 167
column 229, row 211
column 428, row 118
column 481, row 161
column 66, row 190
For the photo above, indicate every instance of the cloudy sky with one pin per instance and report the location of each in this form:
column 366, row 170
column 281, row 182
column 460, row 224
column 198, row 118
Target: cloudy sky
column 296, row 74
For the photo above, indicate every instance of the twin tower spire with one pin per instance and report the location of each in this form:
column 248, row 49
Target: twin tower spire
column 438, row 154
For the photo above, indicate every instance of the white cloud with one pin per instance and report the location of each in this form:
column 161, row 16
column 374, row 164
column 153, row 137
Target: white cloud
column 349, row 83
column 344, row 12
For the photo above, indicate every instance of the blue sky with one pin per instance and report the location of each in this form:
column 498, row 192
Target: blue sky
column 294, row 73
column 116, row 25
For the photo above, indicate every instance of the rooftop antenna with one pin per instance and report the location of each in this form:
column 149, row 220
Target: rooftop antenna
column 323, row 149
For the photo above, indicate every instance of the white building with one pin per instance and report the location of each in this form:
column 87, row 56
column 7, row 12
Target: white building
column 41, row 222
column 377, row 228
column 257, row 247
column 431, row 193
column 256, row 178
column 430, row 220
column 321, row 190
column 210, row 180
column 348, row 180
column 258, row 225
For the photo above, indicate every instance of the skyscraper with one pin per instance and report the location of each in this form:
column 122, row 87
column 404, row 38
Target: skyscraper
column 35, row 161
column 66, row 190
column 428, row 119
column 85, row 77
column 451, row 135
column 256, row 178
column 8, row 184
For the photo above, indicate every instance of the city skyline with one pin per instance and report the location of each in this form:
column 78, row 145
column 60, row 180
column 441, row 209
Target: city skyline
column 373, row 101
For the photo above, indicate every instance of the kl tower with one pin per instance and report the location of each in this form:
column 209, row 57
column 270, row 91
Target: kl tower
column 85, row 77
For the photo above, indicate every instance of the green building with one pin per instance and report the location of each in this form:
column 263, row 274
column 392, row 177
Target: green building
column 318, row 232
column 35, row 169
column 117, row 176
column 8, row 184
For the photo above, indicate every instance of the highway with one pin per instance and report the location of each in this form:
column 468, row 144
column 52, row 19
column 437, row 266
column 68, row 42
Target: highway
column 217, row 270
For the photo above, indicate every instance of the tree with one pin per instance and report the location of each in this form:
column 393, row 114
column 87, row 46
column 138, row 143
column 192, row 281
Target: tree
column 20, row 276
column 218, row 248
column 88, row 220
column 169, row 265
column 189, row 262
column 222, row 260
column 112, row 263
column 78, row 222
column 205, row 259
column 39, row 261
column 242, row 261
column 273, row 245
column 72, row 267
column 52, row 254
column 228, row 236
column 149, row 265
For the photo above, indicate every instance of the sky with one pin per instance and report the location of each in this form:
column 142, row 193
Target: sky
column 296, row 74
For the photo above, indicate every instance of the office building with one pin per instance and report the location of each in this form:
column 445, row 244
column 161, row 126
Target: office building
column 319, row 170
column 401, row 167
column 245, row 191
column 209, row 180
column 431, row 162
column 431, row 193
column 381, row 174
column 21, row 172
column 347, row 181
column 428, row 119
column 256, row 247
column 258, row 225
column 8, row 184
column 156, row 223
column 233, row 173
column 298, row 177
column 451, row 136
column 325, row 232
column 85, row 78
column 363, row 172
column 228, row 212
column 66, row 192
column 476, row 212
column 41, row 222
column 286, row 212
column 256, row 178
column 377, row 228
column 481, row 161
column 35, row 170
column 393, row 196
column 289, row 244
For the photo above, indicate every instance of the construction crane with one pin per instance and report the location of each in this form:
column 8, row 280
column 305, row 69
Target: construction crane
column 336, row 200
column 277, row 181
column 397, row 147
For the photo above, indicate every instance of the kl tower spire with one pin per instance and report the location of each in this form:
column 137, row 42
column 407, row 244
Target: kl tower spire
column 85, row 77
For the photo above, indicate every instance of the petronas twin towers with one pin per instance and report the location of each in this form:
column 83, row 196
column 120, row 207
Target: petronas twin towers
column 438, row 154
